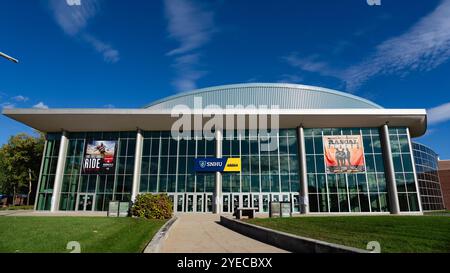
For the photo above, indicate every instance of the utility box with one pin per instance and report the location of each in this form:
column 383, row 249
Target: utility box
column 280, row 209
column 274, row 209
column 118, row 209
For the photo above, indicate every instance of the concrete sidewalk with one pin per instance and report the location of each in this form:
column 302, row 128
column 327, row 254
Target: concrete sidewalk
column 202, row 233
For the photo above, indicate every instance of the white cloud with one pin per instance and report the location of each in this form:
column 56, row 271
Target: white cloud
column 186, row 74
column 189, row 24
column 74, row 19
column 290, row 78
column 109, row 106
column 40, row 105
column 110, row 55
column 7, row 105
column 423, row 47
column 439, row 113
column 20, row 98
column 192, row 26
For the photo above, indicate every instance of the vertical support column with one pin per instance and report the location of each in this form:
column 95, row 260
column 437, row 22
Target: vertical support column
column 137, row 165
column 419, row 200
column 59, row 172
column 304, row 201
column 218, row 186
column 390, row 172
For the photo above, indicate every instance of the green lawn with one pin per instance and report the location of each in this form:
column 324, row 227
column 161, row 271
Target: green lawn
column 394, row 233
column 95, row 234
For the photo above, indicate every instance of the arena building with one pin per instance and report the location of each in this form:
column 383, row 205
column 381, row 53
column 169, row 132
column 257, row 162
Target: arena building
column 324, row 151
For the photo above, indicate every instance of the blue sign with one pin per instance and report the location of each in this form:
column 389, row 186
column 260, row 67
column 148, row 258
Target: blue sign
column 209, row 164
column 212, row 164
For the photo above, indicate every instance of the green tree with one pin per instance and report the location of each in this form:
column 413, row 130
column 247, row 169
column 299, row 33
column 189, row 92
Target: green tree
column 20, row 160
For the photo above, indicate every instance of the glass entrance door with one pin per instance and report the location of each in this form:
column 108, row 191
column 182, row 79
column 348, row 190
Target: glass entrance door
column 209, row 202
column 189, row 203
column 195, row 202
column 85, row 202
column 226, row 203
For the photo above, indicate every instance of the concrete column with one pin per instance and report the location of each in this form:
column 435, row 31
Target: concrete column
column 59, row 172
column 137, row 165
column 390, row 172
column 218, row 186
column 304, row 200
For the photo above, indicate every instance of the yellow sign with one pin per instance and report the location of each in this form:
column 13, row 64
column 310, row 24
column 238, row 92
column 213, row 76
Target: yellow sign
column 233, row 165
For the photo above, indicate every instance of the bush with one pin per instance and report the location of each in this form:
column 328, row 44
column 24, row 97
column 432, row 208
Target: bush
column 152, row 206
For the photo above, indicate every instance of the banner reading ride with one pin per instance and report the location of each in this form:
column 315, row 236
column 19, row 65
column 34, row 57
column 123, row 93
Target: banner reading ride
column 344, row 154
column 99, row 157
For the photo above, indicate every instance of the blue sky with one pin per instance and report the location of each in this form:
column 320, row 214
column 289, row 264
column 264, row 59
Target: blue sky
column 125, row 54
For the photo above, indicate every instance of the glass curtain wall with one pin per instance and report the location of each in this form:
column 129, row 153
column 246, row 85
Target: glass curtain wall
column 404, row 172
column 168, row 164
column 50, row 160
column 355, row 192
column 272, row 171
column 426, row 161
column 102, row 188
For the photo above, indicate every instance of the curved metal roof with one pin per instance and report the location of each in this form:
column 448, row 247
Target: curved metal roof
column 286, row 96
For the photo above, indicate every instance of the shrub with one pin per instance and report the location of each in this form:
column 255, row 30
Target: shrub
column 152, row 206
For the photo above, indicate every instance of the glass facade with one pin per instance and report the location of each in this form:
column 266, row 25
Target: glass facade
column 267, row 174
column 88, row 191
column 355, row 192
column 48, row 171
column 168, row 164
column 404, row 169
column 426, row 162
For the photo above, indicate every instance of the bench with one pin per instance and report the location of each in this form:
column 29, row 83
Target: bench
column 249, row 212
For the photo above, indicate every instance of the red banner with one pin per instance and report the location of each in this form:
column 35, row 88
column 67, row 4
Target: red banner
column 344, row 154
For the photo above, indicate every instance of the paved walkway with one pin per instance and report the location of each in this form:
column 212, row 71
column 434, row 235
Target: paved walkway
column 202, row 233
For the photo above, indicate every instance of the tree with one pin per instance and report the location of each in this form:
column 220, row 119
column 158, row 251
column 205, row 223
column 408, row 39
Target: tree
column 20, row 159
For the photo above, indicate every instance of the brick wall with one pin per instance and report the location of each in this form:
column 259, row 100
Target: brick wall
column 444, row 177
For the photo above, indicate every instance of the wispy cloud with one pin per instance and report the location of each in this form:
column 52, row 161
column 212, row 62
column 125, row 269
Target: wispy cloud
column 7, row 105
column 40, row 105
column 189, row 24
column 192, row 26
column 20, row 98
column 439, row 114
column 74, row 19
column 110, row 106
column 423, row 47
column 110, row 55
column 290, row 78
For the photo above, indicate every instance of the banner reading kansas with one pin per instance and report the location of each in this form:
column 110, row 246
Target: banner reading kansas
column 344, row 154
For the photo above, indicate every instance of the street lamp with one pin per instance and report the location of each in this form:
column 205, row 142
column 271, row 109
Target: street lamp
column 8, row 57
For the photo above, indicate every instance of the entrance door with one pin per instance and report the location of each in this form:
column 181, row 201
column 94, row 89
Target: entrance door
column 199, row 203
column 209, row 202
column 179, row 206
column 189, row 203
column 226, row 203
column 85, row 202
column 195, row 202
column 255, row 200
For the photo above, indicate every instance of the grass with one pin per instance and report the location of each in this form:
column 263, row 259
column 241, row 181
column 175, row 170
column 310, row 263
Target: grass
column 17, row 208
column 394, row 233
column 95, row 234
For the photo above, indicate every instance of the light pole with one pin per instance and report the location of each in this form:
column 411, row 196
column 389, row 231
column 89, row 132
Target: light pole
column 8, row 57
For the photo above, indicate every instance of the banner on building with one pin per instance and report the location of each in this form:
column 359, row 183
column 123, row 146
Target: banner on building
column 99, row 157
column 344, row 154
column 217, row 164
